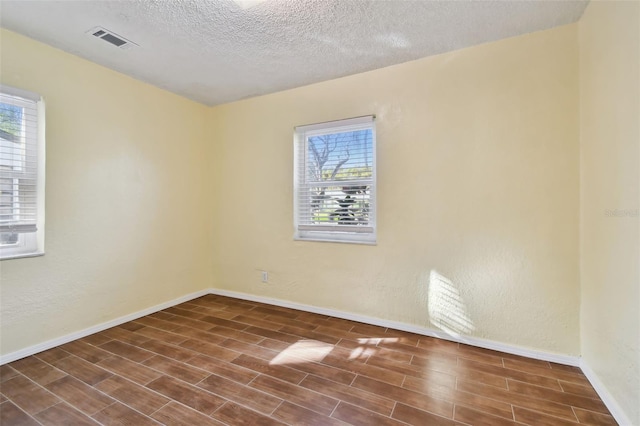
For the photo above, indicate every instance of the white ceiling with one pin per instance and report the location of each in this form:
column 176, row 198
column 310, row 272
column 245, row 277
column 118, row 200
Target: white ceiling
column 214, row 51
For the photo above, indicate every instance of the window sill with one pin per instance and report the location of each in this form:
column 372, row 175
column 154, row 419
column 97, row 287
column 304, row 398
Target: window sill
column 20, row 256
column 335, row 240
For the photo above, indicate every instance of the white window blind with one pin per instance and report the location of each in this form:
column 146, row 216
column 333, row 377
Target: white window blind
column 20, row 165
column 334, row 180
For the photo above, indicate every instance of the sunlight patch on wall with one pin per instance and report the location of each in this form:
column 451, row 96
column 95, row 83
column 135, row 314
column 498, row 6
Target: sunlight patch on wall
column 301, row 352
column 248, row 4
column 447, row 310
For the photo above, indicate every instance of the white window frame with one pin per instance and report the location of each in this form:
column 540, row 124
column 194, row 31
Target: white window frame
column 357, row 234
column 30, row 243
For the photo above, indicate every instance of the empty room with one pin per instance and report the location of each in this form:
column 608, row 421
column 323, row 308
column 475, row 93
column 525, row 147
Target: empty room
column 319, row 212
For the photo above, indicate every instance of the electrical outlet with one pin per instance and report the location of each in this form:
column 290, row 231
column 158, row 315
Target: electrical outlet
column 265, row 276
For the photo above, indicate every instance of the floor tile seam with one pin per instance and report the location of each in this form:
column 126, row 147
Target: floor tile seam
column 454, row 399
column 137, row 346
column 334, row 409
column 525, row 361
column 208, row 330
column 306, row 337
column 354, row 379
column 309, row 390
column 301, row 380
column 39, row 386
column 484, row 411
column 166, row 331
column 575, row 420
column 458, row 356
column 592, row 394
column 568, row 376
column 24, row 412
column 452, row 418
column 404, row 379
column 546, row 388
column 422, row 351
column 474, row 409
column 195, row 352
column 266, row 337
column 304, row 408
column 369, row 376
column 276, row 408
column 164, row 373
column 188, row 385
column 516, row 404
column 573, row 408
column 293, row 335
column 33, row 416
column 508, row 388
column 93, row 385
column 512, row 393
column 589, row 388
column 243, row 405
column 95, row 364
column 253, row 325
column 545, row 398
column 389, row 416
column 376, row 396
column 44, row 362
column 388, row 330
column 393, row 409
column 175, row 401
column 91, row 415
column 411, row 404
column 419, row 370
column 254, row 389
column 229, row 401
column 138, row 363
column 459, row 421
column 161, row 407
column 315, row 375
column 507, row 376
column 116, row 400
column 68, row 353
column 214, row 332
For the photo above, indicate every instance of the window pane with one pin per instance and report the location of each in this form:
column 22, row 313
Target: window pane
column 11, row 128
column 339, row 205
column 340, row 156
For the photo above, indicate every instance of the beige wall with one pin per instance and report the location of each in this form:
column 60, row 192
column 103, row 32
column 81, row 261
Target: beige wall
column 478, row 194
column 610, row 181
column 126, row 209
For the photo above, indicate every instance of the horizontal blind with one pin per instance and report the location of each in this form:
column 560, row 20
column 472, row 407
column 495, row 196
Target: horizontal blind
column 18, row 162
column 335, row 176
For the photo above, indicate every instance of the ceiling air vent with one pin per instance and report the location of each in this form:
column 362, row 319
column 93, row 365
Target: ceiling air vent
column 111, row 37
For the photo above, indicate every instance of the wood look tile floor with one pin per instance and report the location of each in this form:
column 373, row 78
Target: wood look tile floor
column 222, row 361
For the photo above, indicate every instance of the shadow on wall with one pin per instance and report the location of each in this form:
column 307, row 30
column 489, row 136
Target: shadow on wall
column 447, row 310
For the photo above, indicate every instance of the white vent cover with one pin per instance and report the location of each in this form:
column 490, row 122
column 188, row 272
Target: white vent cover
column 111, row 37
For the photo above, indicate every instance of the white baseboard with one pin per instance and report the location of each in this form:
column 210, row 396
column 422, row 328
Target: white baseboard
column 616, row 411
column 31, row 350
column 473, row 341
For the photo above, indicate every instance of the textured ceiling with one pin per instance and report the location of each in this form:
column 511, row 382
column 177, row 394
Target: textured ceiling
column 214, row 51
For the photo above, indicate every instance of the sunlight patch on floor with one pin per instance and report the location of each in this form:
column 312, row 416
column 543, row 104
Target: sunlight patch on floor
column 301, row 352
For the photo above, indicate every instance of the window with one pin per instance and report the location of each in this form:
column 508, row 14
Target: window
column 335, row 181
column 21, row 173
